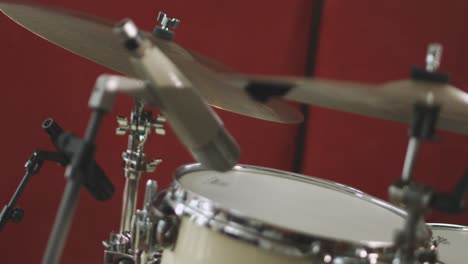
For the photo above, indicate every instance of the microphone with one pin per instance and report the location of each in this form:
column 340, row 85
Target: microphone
column 194, row 122
column 96, row 181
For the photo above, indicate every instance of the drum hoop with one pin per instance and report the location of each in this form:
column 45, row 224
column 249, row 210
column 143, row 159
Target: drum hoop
column 451, row 227
column 232, row 223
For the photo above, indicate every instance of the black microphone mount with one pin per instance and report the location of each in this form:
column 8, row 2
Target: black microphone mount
column 10, row 213
column 95, row 180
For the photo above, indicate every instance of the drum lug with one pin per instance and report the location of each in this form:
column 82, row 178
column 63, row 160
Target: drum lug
column 166, row 231
column 155, row 227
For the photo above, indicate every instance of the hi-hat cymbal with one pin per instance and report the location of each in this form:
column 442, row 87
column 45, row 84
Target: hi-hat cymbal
column 92, row 38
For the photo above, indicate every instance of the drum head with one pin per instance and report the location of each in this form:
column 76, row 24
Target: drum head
column 303, row 204
column 452, row 242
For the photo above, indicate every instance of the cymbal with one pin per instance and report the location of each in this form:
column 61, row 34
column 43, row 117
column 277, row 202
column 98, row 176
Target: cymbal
column 390, row 101
column 92, row 37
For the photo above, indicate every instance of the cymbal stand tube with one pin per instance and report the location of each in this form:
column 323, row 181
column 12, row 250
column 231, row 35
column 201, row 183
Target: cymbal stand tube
column 410, row 158
column 134, row 164
column 134, row 157
column 414, row 197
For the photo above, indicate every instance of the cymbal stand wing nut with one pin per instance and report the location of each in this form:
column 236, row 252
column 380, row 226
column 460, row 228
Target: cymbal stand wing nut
column 164, row 30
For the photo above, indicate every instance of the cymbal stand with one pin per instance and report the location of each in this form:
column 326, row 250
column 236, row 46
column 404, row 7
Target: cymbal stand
column 134, row 163
column 412, row 242
column 134, row 157
column 414, row 197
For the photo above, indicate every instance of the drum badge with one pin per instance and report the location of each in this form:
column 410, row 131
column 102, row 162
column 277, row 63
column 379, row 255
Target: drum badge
column 438, row 240
column 217, row 182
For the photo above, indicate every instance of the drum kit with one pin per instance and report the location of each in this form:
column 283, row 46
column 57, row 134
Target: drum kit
column 214, row 212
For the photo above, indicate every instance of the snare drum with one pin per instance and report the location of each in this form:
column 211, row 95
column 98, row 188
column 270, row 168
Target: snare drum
column 259, row 215
column 452, row 243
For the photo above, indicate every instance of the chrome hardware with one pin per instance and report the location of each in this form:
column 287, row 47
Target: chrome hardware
column 152, row 230
column 206, row 213
column 158, row 125
column 433, row 57
column 138, row 229
column 151, row 165
column 118, row 242
column 118, row 247
column 125, row 126
column 166, row 231
column 135, row 163
column 167, row 23
column 143, row 241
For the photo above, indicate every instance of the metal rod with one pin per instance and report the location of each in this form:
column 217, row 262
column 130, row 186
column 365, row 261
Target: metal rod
column 410, row 159
column 130, row 196
column 20, row 189
column 132, row 167
column 62, row 222
column 71, row 194
column 5, row 214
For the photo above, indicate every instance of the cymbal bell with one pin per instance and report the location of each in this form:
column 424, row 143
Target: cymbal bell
column 92, row 37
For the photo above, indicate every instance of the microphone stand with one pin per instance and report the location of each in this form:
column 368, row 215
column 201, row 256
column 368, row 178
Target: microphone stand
column 101, row 102
column 75, row 174
column 33, row 166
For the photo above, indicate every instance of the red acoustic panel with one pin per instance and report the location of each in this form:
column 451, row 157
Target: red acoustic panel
column 375, row 42
column 40, row 80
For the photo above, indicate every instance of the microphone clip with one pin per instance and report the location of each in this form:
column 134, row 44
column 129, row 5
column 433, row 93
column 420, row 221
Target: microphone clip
column 93, row 177
column 34, row 164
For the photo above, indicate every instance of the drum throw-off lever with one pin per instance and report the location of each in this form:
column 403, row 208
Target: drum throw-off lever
column 154, row 227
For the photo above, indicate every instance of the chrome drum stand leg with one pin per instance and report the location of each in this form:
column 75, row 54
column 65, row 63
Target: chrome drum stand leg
column 118, row 248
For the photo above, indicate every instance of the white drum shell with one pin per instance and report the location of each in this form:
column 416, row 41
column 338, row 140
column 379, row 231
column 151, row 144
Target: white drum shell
column 199, row 242
column 199, row 245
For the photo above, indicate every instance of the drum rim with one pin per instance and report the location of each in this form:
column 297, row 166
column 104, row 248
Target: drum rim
column 451, row 227
column 232, row 223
